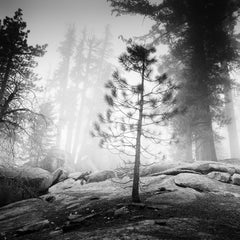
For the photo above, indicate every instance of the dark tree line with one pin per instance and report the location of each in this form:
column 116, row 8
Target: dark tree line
column 203, row 49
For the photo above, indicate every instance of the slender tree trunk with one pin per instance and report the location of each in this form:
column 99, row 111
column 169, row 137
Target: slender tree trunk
column 4, row 83
column 188, row 146
column 76, row 135
column 69, row 136
column 232, row 126
column 135, row 188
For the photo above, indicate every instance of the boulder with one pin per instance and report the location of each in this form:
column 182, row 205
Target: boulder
column 75, row 175
column 101, row 176
column 203, row 183
column 11, row 191
column 236, row 179
column 18, row 183
column 37, row 178
column 204, row 167
column 59, row 175
column 198, row 182
column 220, row 176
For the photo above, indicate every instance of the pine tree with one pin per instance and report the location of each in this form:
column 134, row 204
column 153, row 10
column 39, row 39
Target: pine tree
column 17, row 79
column 134, row 108
column 42, row 134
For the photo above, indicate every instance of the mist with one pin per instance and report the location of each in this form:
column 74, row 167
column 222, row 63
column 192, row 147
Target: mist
column 119, row 119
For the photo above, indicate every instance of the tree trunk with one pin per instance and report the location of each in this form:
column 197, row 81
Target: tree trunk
column 135, row 188
column 69, row 136
column 188, row 157
column 232, row 126
column 204, row 141
column 204, row 135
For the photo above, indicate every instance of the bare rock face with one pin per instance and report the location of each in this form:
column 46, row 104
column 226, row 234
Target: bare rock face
column 157, row 168
column 101, row 176
column 198, row 182
column 61, row 186
column 203, row 183
column 26, row 215
column 220, row 176
column 176, row 196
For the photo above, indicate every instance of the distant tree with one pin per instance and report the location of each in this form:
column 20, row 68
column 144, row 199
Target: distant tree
column 91, row 68
column 42, row 134
column 62, row 80
column 135, row 107
column 89, row 80
column 77, row 75
column 102, row 71
column 17, row 79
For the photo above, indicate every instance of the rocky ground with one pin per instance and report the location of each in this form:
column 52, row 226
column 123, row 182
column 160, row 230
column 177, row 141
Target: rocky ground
column 197, row 201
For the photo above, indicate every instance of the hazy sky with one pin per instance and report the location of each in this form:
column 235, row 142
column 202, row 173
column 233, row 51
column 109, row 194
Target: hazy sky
column 49, row 19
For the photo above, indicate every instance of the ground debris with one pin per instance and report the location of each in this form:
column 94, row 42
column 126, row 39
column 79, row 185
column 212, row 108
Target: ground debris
column 33, row 227
column 77, row 222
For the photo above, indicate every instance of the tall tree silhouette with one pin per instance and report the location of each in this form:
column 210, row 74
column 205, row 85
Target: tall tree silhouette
column 17, row 79
column 198, row 33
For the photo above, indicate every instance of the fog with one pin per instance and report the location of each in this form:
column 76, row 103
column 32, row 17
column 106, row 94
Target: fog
column 84, row 42
column 119, row 119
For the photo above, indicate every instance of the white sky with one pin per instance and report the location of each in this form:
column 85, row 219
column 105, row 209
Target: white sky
column 48, row 20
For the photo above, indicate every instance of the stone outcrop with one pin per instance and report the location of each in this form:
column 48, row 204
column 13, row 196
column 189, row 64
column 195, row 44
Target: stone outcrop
column 157, row 167
column 184, row 186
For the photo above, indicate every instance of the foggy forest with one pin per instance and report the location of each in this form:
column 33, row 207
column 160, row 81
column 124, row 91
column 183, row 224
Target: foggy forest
column 119, row 119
